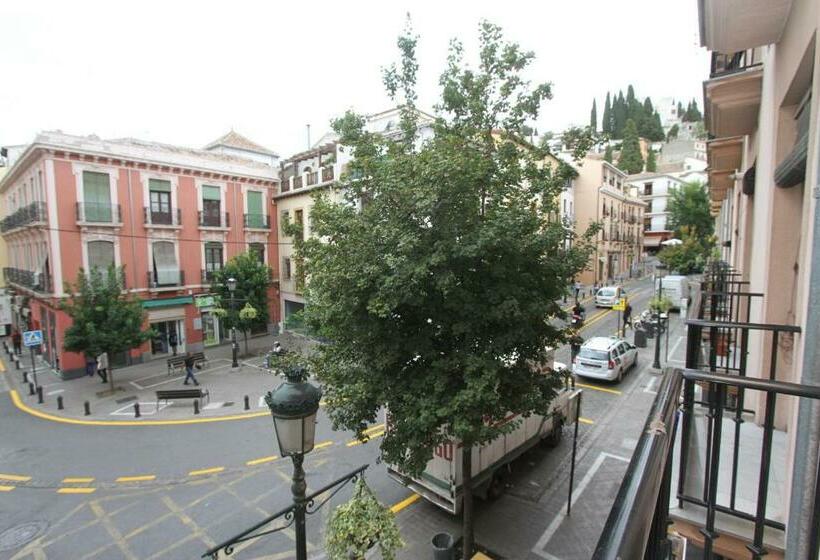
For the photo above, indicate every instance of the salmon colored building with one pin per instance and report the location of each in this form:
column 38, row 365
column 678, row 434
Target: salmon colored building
column 169, row 215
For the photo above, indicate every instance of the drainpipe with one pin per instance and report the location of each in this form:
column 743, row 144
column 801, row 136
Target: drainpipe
column 807, row 439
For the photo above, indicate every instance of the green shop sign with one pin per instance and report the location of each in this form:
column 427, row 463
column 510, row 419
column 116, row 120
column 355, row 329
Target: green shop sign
column 204, row 301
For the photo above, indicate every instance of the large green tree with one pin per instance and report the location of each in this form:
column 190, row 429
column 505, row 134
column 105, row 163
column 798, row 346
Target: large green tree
column 250, row 309
column 593, row 117
column 104, row 318
column 436, row 278
column 631, row 160
column 606, row 122
column 689, row 208
column 651, row 161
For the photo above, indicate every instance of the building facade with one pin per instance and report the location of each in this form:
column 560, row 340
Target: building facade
column 602, row 195
column 169, row 215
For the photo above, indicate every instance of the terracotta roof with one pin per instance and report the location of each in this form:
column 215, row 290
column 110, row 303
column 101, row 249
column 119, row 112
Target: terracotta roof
column 235, row 140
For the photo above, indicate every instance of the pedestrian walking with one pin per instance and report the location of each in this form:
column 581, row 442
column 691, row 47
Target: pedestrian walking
column 189, row 369
column 102, row 366
column 17, row 341
column 575, row 342
column 577, row 290
column 90, row 366
column 628, row 316
column 173, row 341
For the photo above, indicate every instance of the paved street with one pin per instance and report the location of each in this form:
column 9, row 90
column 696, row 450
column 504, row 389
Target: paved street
column 171, row 491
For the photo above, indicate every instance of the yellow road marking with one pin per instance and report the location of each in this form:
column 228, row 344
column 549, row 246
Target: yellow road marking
column 7, row 488
column 261, row 460
column 323, row 445
column 583, row 420
column 78, row 479
column 374, row 435
column 206, row 471
column 75, row 490
column 596, row 388
column 404, row 503
column 139, row 478
column 2, row 366
column 14, row 477
column 375, row 428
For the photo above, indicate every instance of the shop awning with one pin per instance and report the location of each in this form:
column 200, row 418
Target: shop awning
column 167, row 302
column 652, row 241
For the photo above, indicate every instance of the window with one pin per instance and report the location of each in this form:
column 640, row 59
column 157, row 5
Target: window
column 647, row 189
column 259, row 250
column 160, row 198
column 286, row 273
column 285, row 217
column 299, row 218
column 166, row 271
column 565, row 206
column 255, row 217
column 100, row 254
column 213, row 257
column 96, row 197
column 211, row 206
column 647, row 224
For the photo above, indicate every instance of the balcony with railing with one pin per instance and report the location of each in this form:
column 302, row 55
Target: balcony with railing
column 165, row 279
column 36, row 281
column 169, row 218
column 732, row 94
column 98, row 213
column 712, row 460
column 324, row 176
column 257, row 221
column 724, row 64
column 207, row 276
column 214, row 219
column 34, row 214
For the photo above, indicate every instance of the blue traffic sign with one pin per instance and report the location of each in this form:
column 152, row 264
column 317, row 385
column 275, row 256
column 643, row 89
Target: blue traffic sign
column 32, row 338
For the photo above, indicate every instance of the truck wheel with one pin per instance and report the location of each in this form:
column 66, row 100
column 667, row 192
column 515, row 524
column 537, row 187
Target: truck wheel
column 555, row 436
column 496, row 488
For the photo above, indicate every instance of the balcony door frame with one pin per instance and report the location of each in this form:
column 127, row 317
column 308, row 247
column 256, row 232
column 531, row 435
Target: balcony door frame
column 145, row 179
column 223, row 203
column 113, row 175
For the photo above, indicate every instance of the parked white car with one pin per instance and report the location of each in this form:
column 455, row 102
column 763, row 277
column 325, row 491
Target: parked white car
column 608, row 296
column 605, row 357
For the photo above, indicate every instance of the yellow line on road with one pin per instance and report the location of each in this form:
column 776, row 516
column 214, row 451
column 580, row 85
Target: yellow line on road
column 139, row 478
column 404, row 503
column 14, row 477
column 375, row 428
column 7, row 488
column 75, row 490
column 78, row 479
column 583, row 420
column 323, row 445
column 374, row 435
column 261, row 460
column 213, row 470
column 2, row 365
column 596, row 388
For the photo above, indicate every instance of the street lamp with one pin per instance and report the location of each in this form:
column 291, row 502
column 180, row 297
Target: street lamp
column 661, row 268
column 293, row 406
column 234, row 344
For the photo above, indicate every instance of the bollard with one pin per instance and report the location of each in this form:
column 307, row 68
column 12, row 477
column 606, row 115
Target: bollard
column 39, row 395
column 17, row 363
column 25, row 376
column 59, row 403
column 87, row 408
column 30, row 389
column 196, row 406
column 247, row 403
column 136, row 410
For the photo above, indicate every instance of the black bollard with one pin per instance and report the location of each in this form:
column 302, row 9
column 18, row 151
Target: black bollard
column 87, row 407
column 25, row 376
column 17, row 363
column 247, row 403
column 31, row 389
column 136, row 410
column 196, row 406
column 59, row 403
column 40, row 395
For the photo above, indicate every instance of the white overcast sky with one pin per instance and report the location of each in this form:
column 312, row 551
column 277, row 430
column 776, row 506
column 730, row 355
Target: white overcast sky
column 187, row 72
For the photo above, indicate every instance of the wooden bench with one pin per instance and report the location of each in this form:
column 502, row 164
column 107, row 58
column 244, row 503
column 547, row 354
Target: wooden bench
column 178, row 362
column 168, row 394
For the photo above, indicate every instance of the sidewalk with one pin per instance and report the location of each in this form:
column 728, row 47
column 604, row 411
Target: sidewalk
column 137, row 384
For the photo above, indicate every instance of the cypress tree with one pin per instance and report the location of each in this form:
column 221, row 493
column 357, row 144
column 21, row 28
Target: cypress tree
column 608, row 153
column 606, row 122
column 680, row 110
column 645, row 123
column 619, row 116
column 593, row 117
column 631, row 160
column 657, row 134
column 651, row 163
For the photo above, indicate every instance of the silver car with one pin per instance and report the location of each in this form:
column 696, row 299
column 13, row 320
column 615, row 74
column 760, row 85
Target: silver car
column 605, row 357
column 608, row 296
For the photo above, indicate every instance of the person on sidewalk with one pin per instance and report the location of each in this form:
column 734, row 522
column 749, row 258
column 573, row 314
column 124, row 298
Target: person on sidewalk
column 627, row 317
column 189, row 369
column 102, row 366
column 173, row 341
column 575, row 342
column 90, row 366
column 16, row 341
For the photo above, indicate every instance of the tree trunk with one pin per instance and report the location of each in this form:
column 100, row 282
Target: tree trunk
column 467, row 503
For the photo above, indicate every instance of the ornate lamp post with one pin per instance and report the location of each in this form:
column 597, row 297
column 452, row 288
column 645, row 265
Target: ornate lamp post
column 293, row 406
column 661, row 268
column 231, row 282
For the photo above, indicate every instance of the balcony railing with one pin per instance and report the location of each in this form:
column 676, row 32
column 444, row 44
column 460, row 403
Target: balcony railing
column 208, row 276
column 165, row 278
column 214, row 219
column 35, row 213
column 724, row 458
column 37, row 281
column 170, row 218
column 325, row 175
column 98, row 213
column 257, row 221
column 725, row 64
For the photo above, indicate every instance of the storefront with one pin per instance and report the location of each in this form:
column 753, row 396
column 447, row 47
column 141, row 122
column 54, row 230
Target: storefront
column 167, row 318
column 212, row 330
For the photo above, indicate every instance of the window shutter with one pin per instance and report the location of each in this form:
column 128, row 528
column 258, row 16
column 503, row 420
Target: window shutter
column 211, row 193
column 165, row 263
column 96, row 196
column 159, row 185
column 255, row 203
column 100, row 254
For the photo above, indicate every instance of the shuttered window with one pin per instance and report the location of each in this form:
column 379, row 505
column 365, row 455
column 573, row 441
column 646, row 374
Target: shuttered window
column 100, row 254
column 165, row 264
column 96, row 197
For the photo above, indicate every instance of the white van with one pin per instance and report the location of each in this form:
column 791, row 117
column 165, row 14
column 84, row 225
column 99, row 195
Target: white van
column 676, row 290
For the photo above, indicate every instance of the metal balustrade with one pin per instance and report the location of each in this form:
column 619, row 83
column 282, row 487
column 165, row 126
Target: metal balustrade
column 172, row 217
column 35, row 213
column 257, row 221
column 37, row 281
column 165, row 278
column 98, row 213
column 214, row 219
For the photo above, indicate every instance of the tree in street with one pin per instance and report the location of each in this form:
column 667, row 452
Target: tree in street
column 104, row 317
column 435, row 279
column 688, row 207
column 251, row 297
column 631, row 160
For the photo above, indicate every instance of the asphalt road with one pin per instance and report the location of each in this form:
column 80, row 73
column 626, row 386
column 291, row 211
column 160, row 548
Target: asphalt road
column 109, row 492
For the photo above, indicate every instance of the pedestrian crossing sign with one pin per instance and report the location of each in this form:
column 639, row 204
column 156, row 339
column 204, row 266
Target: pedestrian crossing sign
column 620, row 305
column 32, row 338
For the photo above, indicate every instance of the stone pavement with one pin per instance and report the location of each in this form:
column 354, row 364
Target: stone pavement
column 227, row 387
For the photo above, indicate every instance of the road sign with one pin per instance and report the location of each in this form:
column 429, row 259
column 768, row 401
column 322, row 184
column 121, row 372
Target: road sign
column 620, row 306
column 32, row 338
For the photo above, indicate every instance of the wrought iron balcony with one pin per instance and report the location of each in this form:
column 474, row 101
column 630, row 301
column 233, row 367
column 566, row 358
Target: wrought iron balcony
column 98, row 213
column 37, row 281
column 725, row 64
column 208, row 275
column 35, row 213
column 327, row 174
column 165, row 278
column 257, row 221
column 172, row 217
column 214, row 219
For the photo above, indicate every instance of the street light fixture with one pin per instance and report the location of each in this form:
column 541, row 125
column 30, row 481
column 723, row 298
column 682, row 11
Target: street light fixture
column 293, row 406
column 661, row 268
column 231, row 282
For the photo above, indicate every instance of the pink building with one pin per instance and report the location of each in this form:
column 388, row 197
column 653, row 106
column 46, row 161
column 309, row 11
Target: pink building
column 169, row 215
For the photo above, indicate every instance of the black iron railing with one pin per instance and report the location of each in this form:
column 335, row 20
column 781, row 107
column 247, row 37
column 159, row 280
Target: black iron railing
column 725, row 64
column 31, row 214
column 172, row 217
column 37, row 281
column 165, row 278
column 208, row 276
column 258, row 221
column 98, row 212
column 214, row 219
